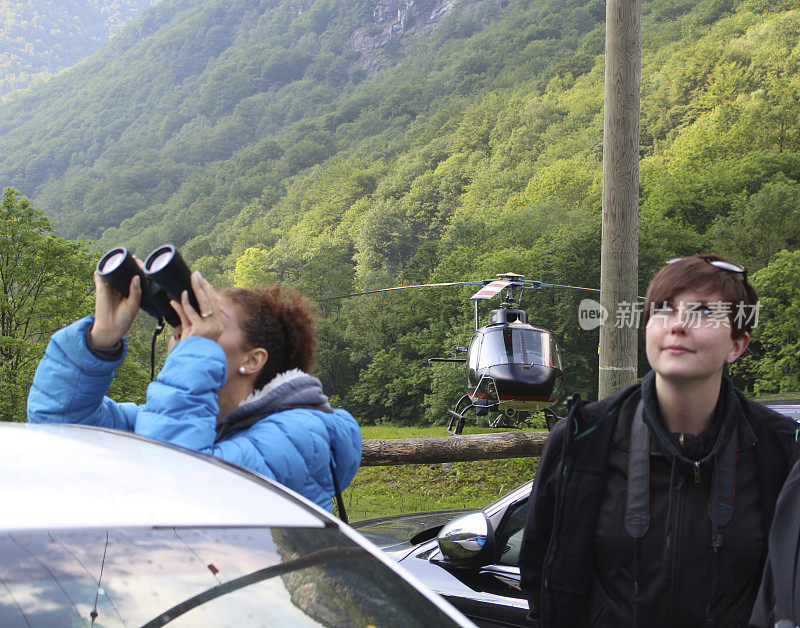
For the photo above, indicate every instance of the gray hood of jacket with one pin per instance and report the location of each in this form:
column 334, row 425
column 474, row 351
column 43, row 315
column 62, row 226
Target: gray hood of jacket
column 291, row 389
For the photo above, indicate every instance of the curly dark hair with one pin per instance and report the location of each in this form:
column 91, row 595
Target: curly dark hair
column 281, row 321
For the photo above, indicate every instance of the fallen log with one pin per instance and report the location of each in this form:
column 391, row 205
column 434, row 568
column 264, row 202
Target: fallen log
column 396, row 451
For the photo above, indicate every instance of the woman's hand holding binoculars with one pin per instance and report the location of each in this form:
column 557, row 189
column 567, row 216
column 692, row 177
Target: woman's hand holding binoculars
column 123, row 284
column 206, row 322
column 113, row 312
column 163, row 276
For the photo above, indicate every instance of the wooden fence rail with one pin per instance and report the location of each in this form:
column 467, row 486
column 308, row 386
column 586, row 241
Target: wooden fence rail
column 385, row 452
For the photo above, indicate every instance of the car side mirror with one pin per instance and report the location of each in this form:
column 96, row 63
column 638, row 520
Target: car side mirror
column 467, row 540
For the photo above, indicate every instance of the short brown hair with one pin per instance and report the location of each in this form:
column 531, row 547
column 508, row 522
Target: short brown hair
column 281, row 321
column 697, row 273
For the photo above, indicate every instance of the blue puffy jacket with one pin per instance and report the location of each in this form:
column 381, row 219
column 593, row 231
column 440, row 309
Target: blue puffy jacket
column 292, row 445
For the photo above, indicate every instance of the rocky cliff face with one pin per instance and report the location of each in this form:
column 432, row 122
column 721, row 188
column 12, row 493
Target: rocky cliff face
column 394, row 21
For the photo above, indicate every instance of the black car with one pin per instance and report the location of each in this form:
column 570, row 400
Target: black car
column 104, row 528
column 468, row 557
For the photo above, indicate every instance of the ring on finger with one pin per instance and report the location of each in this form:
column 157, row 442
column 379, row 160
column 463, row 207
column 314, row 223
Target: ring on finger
column 207, row 314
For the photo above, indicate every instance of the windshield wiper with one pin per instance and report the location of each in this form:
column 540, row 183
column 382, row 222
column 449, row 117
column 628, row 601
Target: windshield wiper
column 309, row 560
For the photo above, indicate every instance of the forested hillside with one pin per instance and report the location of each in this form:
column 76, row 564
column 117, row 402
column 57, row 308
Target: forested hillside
column 41, row 37
column 257, row 137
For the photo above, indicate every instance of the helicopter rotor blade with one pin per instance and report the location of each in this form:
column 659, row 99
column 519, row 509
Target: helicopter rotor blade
column 420, row 285
column 557, row 285
column 491, row 289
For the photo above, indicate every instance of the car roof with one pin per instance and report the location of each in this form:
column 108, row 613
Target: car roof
column 779, row 398
column 789, row 410
column 787, row 404
column 70, row 476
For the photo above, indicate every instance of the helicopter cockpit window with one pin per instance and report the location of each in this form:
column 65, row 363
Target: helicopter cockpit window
column 518, row 346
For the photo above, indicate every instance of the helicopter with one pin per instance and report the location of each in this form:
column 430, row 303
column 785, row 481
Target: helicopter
column 512, row 367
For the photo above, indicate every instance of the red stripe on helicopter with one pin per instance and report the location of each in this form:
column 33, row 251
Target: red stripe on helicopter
column 483, row 395
column 490, row 289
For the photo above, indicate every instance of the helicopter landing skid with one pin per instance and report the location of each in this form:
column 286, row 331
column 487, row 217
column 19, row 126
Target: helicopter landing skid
column 457, row 418
column 456, row 425
column 512, row 420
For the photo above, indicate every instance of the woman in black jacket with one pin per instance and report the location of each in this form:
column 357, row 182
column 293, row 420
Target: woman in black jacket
column 651, row 507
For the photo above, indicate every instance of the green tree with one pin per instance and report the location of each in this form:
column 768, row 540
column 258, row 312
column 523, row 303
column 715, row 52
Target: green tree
column 44, row 284
column 253, row 268
column 770, row 365
column 766, row 223
column 388, row 391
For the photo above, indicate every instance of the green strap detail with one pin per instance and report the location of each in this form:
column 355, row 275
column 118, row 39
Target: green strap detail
column 589, row 431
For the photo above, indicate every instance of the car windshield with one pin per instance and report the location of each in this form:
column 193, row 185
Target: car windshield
column 201, row 577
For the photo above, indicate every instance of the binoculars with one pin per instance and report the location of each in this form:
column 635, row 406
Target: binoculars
column 165, row 277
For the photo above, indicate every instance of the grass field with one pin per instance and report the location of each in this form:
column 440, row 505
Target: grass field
column 378, row 491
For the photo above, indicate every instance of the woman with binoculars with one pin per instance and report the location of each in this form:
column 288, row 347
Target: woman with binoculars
column 234, row 384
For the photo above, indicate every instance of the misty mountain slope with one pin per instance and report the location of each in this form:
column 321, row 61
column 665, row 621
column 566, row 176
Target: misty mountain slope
column 39, row 38
column 186, row 86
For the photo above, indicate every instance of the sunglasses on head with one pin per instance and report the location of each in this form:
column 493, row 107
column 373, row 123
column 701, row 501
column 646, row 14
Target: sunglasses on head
column 717, row 263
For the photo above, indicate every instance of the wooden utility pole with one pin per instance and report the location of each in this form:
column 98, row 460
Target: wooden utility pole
column 620, row 240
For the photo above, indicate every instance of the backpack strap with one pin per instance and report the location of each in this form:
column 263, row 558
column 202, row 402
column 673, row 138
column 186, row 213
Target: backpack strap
column 637, row 511
column 338, row 491
column 723, row 485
